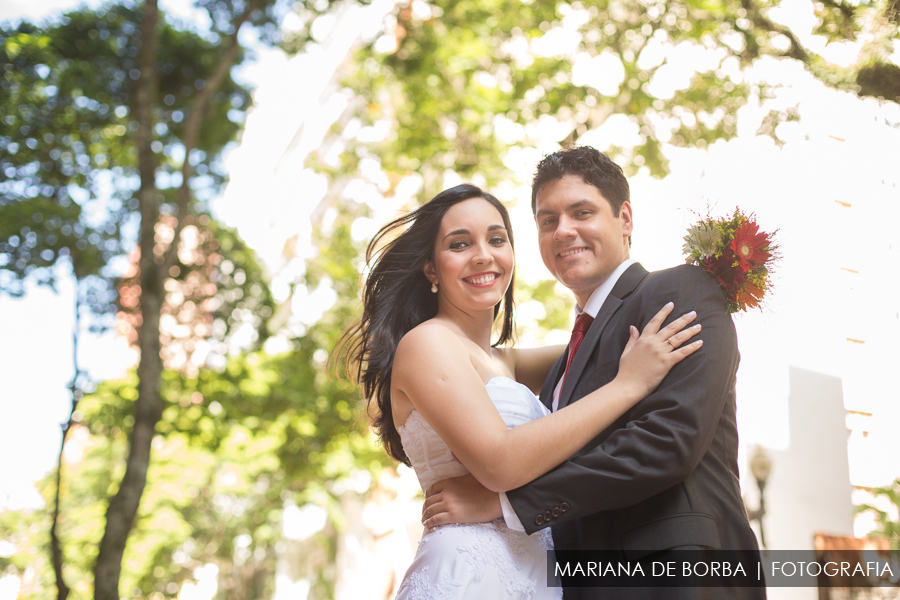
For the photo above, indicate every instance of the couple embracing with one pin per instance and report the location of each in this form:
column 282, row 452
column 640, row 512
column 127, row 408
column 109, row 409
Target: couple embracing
column 632, row 447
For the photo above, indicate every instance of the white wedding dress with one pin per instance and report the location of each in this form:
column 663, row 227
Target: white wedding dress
column 485, row 560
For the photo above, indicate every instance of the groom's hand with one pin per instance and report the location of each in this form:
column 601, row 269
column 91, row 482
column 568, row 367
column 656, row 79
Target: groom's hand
column 460, row 500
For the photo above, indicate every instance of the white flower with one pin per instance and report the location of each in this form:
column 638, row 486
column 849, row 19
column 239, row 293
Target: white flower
column 702, row 238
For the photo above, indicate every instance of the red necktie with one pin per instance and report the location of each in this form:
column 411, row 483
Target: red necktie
column 582, row 324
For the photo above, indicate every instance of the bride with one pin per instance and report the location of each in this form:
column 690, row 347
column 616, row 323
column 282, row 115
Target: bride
column 450, row 402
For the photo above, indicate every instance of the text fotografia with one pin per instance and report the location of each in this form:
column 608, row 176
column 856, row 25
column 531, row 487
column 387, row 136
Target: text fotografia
column 720, row 568
column 847, row 569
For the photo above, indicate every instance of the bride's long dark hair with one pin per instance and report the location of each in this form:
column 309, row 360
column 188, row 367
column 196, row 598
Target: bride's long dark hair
column 397, row 297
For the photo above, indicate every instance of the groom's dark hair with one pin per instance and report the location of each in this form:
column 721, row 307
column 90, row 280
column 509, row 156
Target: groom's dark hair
column 591, row 165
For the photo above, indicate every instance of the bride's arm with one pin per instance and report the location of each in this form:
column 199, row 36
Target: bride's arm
column 433, row 370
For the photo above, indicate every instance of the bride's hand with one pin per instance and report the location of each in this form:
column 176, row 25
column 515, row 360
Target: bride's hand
column 648, row 357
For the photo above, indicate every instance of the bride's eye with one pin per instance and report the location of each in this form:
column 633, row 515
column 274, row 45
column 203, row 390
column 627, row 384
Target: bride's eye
column 458, row 245
column 497, row 241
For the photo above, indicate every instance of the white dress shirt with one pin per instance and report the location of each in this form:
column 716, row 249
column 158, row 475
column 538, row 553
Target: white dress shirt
column 592, row 307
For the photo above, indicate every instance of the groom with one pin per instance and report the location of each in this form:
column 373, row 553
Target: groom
column 665, row 475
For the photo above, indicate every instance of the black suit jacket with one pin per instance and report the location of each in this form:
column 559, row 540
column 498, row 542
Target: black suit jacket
column 665, row 474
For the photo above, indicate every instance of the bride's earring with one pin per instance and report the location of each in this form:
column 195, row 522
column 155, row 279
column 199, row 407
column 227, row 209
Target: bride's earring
column 434, row 287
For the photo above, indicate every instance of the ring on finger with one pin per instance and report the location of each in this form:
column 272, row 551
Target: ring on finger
column 669, row 341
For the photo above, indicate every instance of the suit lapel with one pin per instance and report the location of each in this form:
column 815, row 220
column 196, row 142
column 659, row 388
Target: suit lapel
column 623, row 288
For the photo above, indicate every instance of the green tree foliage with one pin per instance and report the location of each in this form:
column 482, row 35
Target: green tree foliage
column 67, row 147
column 888, row 525
column 106, row 144
column 461, row 72
column 467, row 69
column 233, row 448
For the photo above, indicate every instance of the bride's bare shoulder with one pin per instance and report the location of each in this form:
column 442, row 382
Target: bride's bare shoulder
column 427, row 335
column 431, row 343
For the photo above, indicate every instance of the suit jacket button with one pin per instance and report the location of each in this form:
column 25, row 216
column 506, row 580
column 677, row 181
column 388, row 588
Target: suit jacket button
column 539, row 520
column 564, row 506
column 556, row 512
column 547, row 516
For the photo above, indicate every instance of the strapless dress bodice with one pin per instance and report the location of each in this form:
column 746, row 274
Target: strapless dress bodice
column 475, row 560
column 432, row 459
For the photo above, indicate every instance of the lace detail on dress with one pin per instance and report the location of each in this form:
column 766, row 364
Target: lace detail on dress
column 418, row 587
column 505, row 550
column 544, row 539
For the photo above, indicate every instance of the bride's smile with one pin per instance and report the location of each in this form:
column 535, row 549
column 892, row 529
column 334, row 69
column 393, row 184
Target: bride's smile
column 482, row 279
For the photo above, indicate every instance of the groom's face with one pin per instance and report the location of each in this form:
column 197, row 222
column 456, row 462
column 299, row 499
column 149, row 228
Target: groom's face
column 581, row 240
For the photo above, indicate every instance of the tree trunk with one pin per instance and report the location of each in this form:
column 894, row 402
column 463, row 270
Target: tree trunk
column 148, row 407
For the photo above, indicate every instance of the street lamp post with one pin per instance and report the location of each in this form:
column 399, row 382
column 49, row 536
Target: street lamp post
column 760, row 466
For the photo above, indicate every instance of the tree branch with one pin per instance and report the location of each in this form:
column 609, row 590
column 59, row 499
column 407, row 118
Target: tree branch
column 892, row 11
column 196, row 117
column 62, row 590
column 796, row 50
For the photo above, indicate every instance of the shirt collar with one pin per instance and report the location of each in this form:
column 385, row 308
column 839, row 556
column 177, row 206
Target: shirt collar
column 598, row 297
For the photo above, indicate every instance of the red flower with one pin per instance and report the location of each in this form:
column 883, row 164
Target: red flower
column 749, row 245
column 728, row 275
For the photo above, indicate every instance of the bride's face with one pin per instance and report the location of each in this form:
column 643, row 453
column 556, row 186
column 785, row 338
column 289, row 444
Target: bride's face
column 473, row 259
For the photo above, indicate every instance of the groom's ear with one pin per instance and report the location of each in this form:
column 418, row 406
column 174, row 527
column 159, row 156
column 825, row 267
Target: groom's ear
column 627, row 218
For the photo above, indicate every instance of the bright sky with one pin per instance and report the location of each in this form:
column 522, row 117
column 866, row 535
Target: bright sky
column 839, row 153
